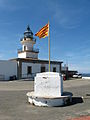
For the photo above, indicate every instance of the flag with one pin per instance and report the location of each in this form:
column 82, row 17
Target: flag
column 43, row 32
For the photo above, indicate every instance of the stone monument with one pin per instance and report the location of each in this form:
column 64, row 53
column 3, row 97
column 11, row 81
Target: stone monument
column 48, row 90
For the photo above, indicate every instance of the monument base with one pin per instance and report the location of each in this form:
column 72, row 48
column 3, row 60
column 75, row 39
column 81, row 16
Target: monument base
column 48, row 90
column 48, row 102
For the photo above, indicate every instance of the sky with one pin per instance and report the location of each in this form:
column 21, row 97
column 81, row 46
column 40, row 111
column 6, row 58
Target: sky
column 69, row 29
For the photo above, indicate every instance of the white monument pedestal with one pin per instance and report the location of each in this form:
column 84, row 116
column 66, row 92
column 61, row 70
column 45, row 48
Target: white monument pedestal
column 48, row 90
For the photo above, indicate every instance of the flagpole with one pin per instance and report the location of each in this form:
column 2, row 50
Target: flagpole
column 49, row 44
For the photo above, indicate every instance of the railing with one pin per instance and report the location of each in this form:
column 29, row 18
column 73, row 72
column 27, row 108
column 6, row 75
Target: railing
column 33, row 39
column 33, row 50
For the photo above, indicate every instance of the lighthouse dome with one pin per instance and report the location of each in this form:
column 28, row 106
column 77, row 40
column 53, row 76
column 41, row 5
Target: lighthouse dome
column 28, row 33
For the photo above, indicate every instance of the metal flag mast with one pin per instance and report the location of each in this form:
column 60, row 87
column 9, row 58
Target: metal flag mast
column 45, row 32
column 49, row 44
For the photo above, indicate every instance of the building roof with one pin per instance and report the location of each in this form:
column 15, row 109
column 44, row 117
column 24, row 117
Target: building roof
column 36, row 60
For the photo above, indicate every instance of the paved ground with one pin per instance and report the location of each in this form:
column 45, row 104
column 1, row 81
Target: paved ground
column 14, row 105
column 81, row 118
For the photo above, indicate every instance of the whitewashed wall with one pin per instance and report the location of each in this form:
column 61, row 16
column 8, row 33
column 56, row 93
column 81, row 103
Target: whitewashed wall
column 29, row 46
column 32, row 55
column 36, row 67
column 27, row 55
column 8, row 68
column 22, row 55
column 57, row 68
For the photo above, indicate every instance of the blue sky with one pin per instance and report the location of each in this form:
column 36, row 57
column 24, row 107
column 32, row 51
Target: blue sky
column 69, row 29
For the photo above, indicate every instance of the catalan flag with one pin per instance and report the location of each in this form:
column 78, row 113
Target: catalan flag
column 43, row 32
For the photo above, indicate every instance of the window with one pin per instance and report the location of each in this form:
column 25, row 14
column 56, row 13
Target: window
column 29, row 70
column 54, row 69
column 42, row 69
column 24, row 48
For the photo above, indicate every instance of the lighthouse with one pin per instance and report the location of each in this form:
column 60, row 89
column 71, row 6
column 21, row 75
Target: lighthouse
column 28, row 63
column 28, row 42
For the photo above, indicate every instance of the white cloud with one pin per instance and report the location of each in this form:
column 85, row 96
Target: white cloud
column 78, row 61
column 80, row 68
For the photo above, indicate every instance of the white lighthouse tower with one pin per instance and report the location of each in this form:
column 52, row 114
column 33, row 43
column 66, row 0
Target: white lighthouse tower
column 28, row 50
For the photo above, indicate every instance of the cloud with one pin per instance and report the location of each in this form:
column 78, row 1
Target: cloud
column 79, row 68
column 70, row 54
column 66, row 14
column 78, row 56
column 78, row 61
column 66, row 19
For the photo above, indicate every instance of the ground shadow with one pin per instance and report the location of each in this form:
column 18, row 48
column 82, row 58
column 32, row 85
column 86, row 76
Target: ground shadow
column 75, row 100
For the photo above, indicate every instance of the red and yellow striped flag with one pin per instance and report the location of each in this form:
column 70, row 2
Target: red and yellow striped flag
column 43, row 32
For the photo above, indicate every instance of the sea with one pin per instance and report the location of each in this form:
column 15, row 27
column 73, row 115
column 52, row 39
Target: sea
column 85, row 74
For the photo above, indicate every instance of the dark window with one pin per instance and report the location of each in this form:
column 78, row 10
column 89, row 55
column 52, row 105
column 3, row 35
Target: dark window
column 29, row 70
column 42, row 69
column 54, row 69
column 24, row 48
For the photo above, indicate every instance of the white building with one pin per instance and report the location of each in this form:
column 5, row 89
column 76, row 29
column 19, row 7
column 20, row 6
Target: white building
column 7, row 69
column 27, row 64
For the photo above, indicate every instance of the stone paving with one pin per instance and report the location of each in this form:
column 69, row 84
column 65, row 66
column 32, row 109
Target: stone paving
column 14, row 105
